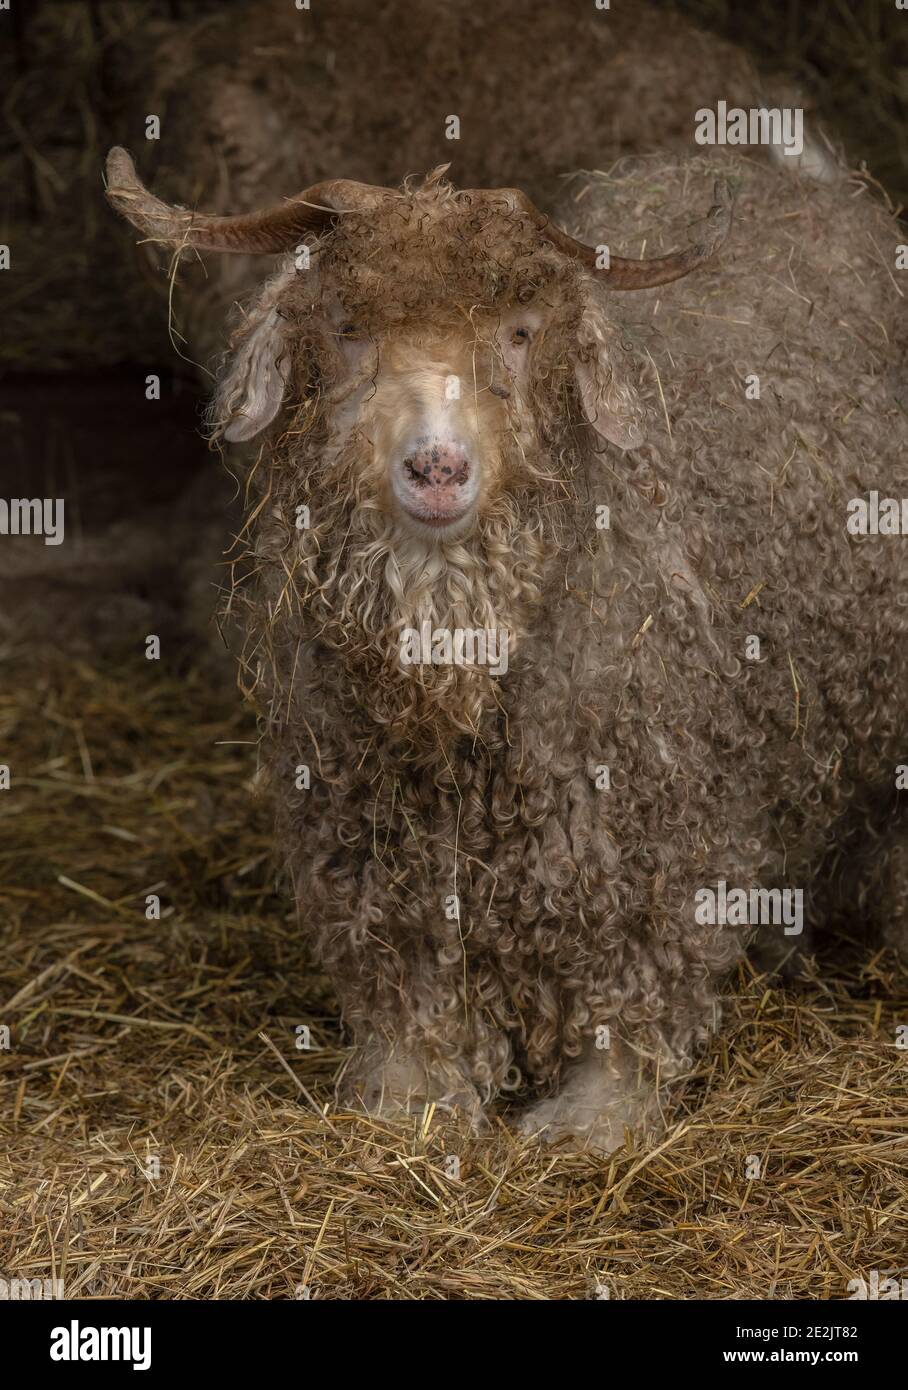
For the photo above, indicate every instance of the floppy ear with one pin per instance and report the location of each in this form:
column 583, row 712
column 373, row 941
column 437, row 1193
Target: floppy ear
column 250, row 395
column 609, row 402
column 251, row 391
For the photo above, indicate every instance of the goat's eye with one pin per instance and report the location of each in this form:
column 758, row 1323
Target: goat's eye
column 520, row 337
column 348, row 330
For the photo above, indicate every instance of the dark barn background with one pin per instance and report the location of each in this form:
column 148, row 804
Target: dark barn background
column 84, row 323
column 137, row 1039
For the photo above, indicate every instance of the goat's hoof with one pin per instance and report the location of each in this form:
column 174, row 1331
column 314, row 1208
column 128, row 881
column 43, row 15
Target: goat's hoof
column 563, row 1118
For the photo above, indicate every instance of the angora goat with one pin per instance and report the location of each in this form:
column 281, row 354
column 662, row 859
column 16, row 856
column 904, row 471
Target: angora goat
column 563, row 635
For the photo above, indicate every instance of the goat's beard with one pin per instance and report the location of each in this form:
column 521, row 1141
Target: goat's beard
column 392, row 586
column 485, row 583
column 362, row 581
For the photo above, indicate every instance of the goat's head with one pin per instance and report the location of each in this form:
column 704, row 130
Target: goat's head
column 440, row 328
column 432, row 357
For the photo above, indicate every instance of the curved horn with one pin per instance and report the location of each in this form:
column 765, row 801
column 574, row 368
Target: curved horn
column 270, row 231
column 641, row 275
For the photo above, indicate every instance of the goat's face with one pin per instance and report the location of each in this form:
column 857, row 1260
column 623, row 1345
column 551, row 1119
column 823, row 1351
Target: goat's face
column 441, row 408
column 431, row 369
column 445, row 342
column 436, row 351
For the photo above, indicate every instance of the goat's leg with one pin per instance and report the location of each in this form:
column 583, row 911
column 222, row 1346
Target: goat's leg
column 602, row 1093
column 393, row 1080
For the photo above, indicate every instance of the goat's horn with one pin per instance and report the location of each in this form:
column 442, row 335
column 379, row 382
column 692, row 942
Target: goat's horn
column 641, row 275
column 272, row 230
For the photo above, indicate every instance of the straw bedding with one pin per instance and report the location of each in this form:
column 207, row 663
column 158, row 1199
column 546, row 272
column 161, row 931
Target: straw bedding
column 134, row 1039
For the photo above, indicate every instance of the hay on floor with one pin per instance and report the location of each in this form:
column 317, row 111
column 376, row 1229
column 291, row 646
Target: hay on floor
column 163, row 1136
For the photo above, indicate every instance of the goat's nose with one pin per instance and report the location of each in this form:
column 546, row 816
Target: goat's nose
column 437, row 465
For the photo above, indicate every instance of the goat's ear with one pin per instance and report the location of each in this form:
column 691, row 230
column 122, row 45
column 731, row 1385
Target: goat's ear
column 250, row 394
column 251, row 391
column 609, row 402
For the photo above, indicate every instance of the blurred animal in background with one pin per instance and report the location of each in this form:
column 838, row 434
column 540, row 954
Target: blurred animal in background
column 264, row 97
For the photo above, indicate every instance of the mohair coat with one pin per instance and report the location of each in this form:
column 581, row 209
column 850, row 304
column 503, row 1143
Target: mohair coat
column 478, row 895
